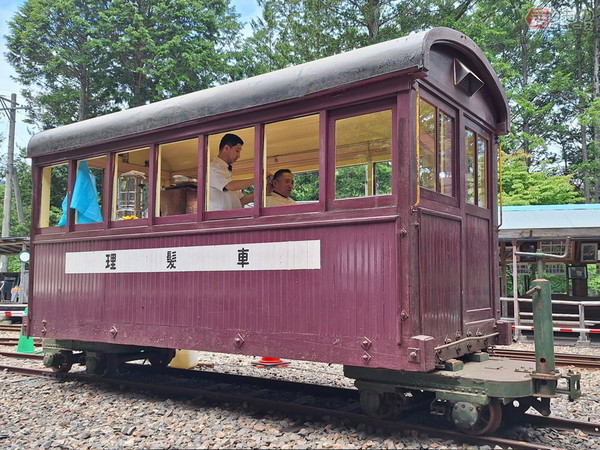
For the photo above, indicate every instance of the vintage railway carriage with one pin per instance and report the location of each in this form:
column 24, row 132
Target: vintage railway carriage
column 387, row 261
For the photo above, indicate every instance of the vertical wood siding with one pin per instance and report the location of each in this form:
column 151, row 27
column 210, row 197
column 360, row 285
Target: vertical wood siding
column 311, row 314
column 478, row 289
column 440, row 270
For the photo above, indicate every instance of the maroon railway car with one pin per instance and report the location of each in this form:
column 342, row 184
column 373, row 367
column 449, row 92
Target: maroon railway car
column 387, row 259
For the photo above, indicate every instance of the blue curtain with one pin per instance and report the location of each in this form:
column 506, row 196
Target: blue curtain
column 85, row 198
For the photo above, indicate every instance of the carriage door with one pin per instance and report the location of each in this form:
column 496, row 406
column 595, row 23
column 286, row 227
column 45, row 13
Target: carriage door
column 479, row 236
column 440, row 222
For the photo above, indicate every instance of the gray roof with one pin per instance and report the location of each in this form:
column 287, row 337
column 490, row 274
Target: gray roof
column 550, row 221
column 406, row 54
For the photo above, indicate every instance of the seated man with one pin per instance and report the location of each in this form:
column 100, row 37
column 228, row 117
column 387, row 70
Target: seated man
column 281, row 189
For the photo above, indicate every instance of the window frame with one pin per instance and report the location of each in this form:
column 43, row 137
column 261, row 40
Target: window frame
column 449, row 111
column 392, row 100
column 478, row 131
column 37, row 179
column 152, row 165
column 106, row 189
column 258, row 164
column 297, row 208
column 452, row 112
column 373, row 201
column 200, row 176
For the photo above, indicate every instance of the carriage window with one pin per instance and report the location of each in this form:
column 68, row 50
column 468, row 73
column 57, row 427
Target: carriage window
column 470, row 175
column 482, row 146
column 87, row 197
column 53, row 193
column 436, row 147
column 230, row 178
column 363, row 155
column 177, row 185
column 131, row 185
column 476, row 177
column 293, row 145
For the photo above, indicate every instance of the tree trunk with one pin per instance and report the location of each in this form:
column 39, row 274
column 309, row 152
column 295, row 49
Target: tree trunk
column 582, row 104
column 525, row 82
column 83, row 96
column 596, row 92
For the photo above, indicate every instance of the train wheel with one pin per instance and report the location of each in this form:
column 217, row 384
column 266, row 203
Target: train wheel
column 377, row 404
column 477, row 419
column 60, row 362
column 161, row 358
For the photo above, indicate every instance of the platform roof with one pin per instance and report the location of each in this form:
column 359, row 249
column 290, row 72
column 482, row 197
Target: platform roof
column 550, row 221
column 13, row 245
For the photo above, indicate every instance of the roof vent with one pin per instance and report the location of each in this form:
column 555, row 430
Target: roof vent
column 466, row 79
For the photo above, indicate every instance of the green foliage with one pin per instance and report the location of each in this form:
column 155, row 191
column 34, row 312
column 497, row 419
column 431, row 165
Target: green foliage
column 522, row 187
column 306, row 186
column 79, row 59
column 593, row 280
column 23, row 172
column 18, row 228
column 298, row 31
column 351, row 181
column 52, row 50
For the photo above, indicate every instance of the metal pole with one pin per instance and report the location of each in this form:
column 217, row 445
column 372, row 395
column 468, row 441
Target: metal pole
column 18, row 201
column 515, row 278
column 8, row 179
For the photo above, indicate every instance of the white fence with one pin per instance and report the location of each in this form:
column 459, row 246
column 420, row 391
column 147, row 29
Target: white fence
column 562, row 322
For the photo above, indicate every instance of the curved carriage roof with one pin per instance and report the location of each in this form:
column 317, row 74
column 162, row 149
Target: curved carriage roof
column 406, row 54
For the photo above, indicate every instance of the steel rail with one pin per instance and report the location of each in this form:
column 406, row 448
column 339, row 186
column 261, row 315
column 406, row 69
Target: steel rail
column 224, row 393
column 23, row 355
column 563, row 359
column 15, row 341
column 557, row 423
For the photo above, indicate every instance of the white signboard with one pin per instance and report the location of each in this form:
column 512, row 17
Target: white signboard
column 291, row 255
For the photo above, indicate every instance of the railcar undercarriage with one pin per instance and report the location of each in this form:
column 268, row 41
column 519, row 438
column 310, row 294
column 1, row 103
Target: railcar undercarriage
column 474, row 392
column 99, row 358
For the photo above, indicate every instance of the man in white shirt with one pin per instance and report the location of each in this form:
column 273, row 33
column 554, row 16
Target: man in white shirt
column 282, row 185
column 225, row 192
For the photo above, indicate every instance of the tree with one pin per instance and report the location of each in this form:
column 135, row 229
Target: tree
column 522, row 187
column 17, row 227
column 78, row 59
column 159, row 49
column 524, row 62
column 55, row 55
column 298, row 31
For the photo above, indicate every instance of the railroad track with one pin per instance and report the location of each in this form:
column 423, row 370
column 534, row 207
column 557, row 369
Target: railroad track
column 23, row 355
column 296, row 400
column 562, row 359
column 15, row 341
column 16, row 328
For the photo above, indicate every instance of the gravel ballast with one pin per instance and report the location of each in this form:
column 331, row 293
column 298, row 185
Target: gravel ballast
column 48, row 413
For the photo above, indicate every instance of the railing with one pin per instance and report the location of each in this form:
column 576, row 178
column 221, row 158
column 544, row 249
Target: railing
column 579, row 320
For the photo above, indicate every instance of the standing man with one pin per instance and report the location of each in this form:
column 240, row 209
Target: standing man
column 282, row 185
column 225, row 192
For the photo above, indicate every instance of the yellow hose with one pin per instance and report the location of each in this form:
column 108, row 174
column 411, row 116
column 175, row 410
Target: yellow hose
column 418, row 151
column 500, row 151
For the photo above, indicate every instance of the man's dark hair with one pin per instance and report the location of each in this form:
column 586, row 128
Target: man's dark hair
column 230, row 139
column 281, row 172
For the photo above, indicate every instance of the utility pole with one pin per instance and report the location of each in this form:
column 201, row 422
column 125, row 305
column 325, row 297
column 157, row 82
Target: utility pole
column 12, row 117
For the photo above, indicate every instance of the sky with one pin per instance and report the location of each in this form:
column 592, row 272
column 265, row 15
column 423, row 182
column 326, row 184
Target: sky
column 246, row 8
